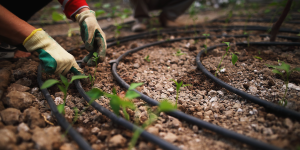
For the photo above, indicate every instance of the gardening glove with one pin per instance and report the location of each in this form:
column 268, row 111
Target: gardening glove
column 92, row 36
column 54, row 59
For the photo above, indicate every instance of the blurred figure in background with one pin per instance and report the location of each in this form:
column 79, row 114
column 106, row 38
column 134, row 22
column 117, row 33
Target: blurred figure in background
column 171, row 9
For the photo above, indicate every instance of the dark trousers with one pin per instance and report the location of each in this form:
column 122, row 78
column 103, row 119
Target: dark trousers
column 171, row 9
column 24, row 9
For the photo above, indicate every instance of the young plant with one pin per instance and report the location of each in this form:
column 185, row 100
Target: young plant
column 234, row 58
column 178, row 86
column 257, row 57
column 248, row 38
column 95, row 59
column 164, row 106
column 227, row 19
column 205, row 45
column 63, row 85
column 287, row 69
column 147, row 58
column 179, row 53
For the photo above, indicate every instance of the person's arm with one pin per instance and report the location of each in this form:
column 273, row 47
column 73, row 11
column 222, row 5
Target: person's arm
column 73, row 7
column 13, row 29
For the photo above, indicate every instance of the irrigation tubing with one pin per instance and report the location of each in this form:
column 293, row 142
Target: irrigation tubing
column 120, row 121
column 173, row 31
column 268, row 105
column 255, row 20
column 82, row 143
column 182, row 116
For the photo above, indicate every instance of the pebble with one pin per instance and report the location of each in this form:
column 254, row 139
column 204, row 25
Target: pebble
column 7, row 138
column 11, row 116
column 23, row 127
column 240, row 110
column 58, row 101
column 292, row 86
column 267, row 131
column 212, row 93
column 237, row 105
column 288, row 123
column 47, row 138
column 34, row 118
column 95, row 130
column 136, row 65
column 213, row 99
column 19, row 100
column 170, row 137
column 18, row 87
column 153, row 130
column 117, row 141
column 253, row 89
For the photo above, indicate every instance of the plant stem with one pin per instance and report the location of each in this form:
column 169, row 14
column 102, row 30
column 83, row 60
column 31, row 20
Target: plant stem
column 220, row 64
column 177, row 94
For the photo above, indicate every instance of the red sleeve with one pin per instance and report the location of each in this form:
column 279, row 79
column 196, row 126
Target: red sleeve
column 70, row 7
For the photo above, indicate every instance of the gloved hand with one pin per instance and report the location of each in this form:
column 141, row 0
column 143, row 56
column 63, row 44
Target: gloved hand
column 92, row 36
column 53, row 57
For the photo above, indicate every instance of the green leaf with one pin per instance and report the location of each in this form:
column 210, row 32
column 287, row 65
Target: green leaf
column 76, row 114
column 227, row 43
column 166, row 106
column 135, row 85
column 114, row 91
column 64, row 80
column 58, row 16
column 61, row 108
column 296, row 69
column 106, row 5
column 95, row 93
column 90, row 77
column 267, row 11
column 132, row 94
column 127, row 104
column 179, row 85
column 63, row 89
column 125, row 114
column 186, row 85
column 97, row 4
column 257, row 57
column 277, row 71
column 95, row 54
column 77, row 77
column 115, row 103
column 49, row 83
column 234, row 59
column 99, row 12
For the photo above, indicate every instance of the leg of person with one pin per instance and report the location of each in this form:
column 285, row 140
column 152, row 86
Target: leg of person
column 173, row 9
column 140, row 13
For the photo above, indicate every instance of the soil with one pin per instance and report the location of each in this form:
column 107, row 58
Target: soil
column 26, row 121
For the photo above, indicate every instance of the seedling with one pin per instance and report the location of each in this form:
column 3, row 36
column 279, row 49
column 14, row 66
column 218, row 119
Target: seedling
column 178, row 86
column 227, row 19
column 257, row 57
column 63, row 85
column 164, row 106
column 147, row 58
column 234, row 58
column 286, row 68
column 95, row 59
column 248, row 38
column 99, row 12
column 179, row 53
column 205, row 45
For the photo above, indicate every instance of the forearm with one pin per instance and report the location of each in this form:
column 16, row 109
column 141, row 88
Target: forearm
column 13, row 29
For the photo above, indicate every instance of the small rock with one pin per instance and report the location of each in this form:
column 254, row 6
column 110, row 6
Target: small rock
column 292, row 86
column 7, row 138
column 253, row 89
column 5, row 74
column 24, row 136
column 23, row 127
column 163, row 96
column 47, row 138
column 18, row 87
column 24, row 81
column 208, row 113
column 267, row 131
column 240, row 110
column 103, row 134
column 244, row 119
column 136, row 65
column 195, row 128
column 68, row 146
column 213, row 99
column 33, row 118
column 153, row 130
column 215, row 107
column 58, row 101
column 212, row 93
column 19, row 100
column 228, row 113
column 95, row 130
column 117, row 141
column 175, row 123
column 170, row 137
column 288, row 123
column 10, row 116
column 270, row 116
column 237, row 105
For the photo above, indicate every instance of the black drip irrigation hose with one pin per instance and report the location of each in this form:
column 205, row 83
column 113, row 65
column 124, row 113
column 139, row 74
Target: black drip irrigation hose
column 120, row 121
column 255, row 20
column 268, row 105
column 219, row 29
column 82, row 143
column 182, row 116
